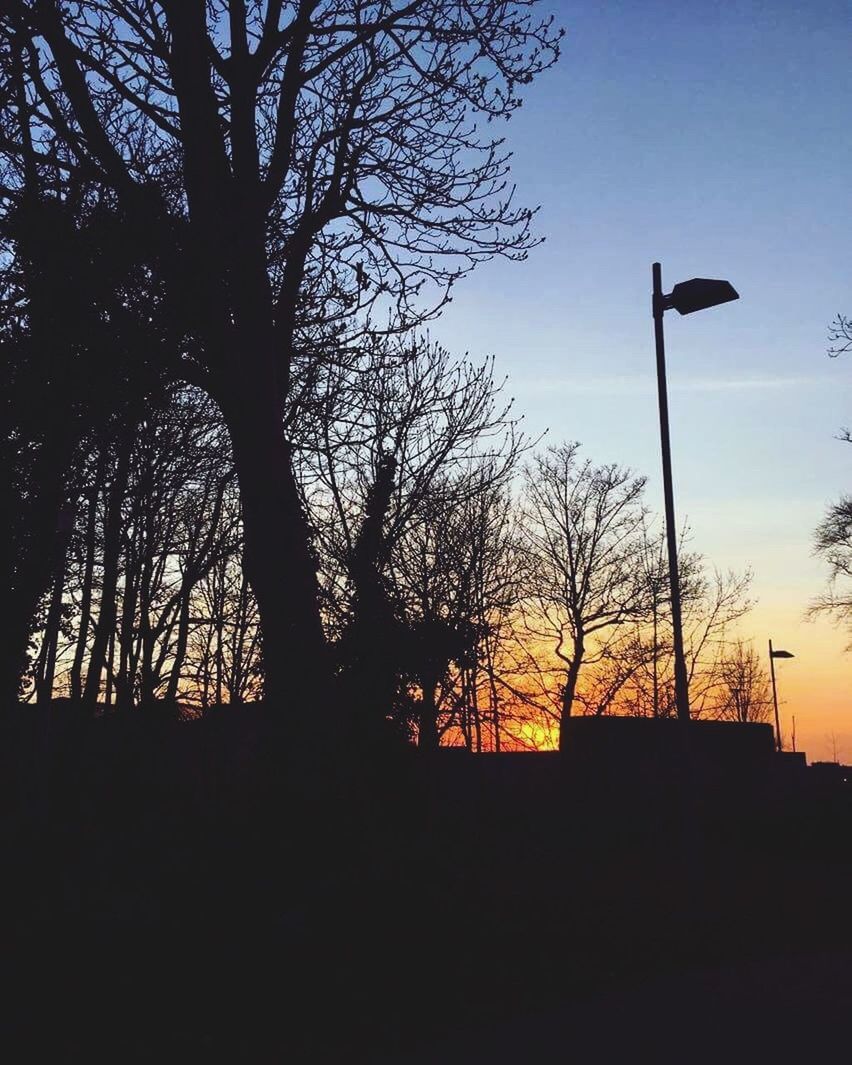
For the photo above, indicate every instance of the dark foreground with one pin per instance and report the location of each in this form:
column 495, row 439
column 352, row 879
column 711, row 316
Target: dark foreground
column 220, row 890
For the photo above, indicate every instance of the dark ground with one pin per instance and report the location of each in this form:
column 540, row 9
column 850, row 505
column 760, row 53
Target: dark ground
column 217, row 890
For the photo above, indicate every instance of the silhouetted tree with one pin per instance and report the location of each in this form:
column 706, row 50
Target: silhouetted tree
column 370, row 643
column 495, row 569
column 103, row 640
column 711, row 601
column 81, row 357
column 626, row 665
column 298, row 163
column 412, row 438
column 840, row 336
column 455, row 585
column 833, row 543
column 157, row 515
column 743, row 685
column 223, row 656
column 93, row 488
column 720, row 600
column 82, row 337
column 581, row 532
column 833, row 536
column 176, row 525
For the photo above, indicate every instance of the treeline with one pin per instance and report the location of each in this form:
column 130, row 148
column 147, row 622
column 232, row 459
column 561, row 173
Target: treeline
column 475, row 590
column 234, row 462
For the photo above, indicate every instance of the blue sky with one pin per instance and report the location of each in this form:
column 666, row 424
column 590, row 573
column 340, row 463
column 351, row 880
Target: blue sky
column 713, row 138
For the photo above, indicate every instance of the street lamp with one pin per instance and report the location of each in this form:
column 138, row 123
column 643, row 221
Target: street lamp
column 685, row 297
column 772, row 656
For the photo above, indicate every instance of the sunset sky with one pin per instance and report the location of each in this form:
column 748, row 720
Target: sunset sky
column 711, row 137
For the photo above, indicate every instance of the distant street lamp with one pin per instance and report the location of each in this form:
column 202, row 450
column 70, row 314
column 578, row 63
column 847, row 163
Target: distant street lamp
column 685, row 297
column 772, row 656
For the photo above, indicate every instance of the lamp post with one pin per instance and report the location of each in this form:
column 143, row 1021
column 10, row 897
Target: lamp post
column 772, row 656
column 685, row 297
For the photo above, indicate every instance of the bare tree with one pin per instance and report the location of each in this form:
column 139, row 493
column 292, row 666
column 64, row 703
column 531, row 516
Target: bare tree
column 627, row 664
column 581, row 533
column 495, row 588
column 291, row 165
column 833, row 536
column 105, row 626
column 94, row 487
column 179, row 520
column 79, row 360
column 720, row 601
column 833, row 542
column 840, row 336
column 412, row 407
column 223, row 657
column 455, row 581
column 742, row 685
column 401, row 475
column 160, row 514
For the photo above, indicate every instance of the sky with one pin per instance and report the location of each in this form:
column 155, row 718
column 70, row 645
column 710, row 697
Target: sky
column 709, row 137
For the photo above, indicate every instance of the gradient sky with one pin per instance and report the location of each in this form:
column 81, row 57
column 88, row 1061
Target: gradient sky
column 711, row 137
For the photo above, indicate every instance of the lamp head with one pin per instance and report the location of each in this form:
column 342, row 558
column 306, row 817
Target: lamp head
column 700, row 293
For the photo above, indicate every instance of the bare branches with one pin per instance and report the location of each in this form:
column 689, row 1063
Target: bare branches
column 581, row 526
column 322, row 115
column 412, row 455
column 840, row 336
column 48, row 21
column 833, row 542
column 281, row 154
column 833, row 536
column 305, row 177
column 742, row 685
column 182, row 621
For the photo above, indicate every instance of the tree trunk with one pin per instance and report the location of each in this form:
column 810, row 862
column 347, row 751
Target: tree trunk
column 219, row 601
column 76, row 674
column 238, row 645
column 277, row 557
column 54, row 613
column 493, row 696
column 570, row 689
column 146, row 634
column 656, row 673
column 110, row 670
column 28, row 563
column 127, row 658
column 427, row 734
column 204, row 664
column 112, row 549
column 182, row 642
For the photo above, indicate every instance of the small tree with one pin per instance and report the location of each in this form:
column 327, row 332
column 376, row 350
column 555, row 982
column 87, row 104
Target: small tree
column 833, row 537
column 581, row 533
column 834, row 545
column 405, row 481
column 742, row 685
column 455, row 580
